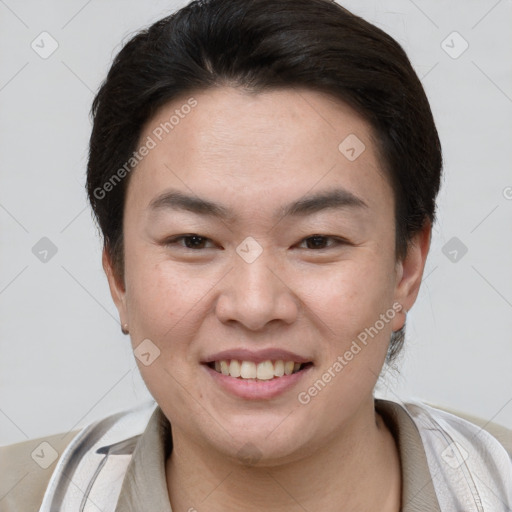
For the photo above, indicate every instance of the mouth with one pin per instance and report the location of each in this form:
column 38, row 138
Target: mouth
column 257, row 371
column 263, row 374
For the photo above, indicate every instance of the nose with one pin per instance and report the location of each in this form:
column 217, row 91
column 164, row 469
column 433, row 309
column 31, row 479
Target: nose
column 257, row 293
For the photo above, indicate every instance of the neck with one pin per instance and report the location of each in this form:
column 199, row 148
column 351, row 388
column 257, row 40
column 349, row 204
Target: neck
column 358, row 468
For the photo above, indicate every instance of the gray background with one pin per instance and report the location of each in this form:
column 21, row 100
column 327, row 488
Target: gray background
column 63, row 359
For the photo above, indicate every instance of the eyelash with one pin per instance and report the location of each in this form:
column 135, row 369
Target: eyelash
column 337, row 241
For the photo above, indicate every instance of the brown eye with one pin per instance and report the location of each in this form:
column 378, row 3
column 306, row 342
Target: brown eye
column 192, row 241
column 320, row 242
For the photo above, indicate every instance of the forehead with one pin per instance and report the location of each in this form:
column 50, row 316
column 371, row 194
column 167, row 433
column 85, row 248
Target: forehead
column 258, row 148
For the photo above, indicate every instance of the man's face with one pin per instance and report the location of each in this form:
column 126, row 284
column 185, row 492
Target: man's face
column 308, row 284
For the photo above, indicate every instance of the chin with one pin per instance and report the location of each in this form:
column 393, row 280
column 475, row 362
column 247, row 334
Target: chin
column 264, row 440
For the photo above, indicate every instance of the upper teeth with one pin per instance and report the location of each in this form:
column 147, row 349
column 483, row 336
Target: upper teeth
column 263, row 371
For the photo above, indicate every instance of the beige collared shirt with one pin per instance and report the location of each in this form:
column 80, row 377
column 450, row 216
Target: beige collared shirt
column 144, row 488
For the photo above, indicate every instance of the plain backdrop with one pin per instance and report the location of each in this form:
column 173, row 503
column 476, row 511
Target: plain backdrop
column 63, row 360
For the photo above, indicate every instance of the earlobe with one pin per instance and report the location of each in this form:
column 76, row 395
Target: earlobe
column 410, row 272
column 117, row 289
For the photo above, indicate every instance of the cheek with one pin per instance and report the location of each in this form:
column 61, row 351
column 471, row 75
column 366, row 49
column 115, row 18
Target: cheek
column 163, row 299
column 351, row 296
column 165, row 304
column 348, row 304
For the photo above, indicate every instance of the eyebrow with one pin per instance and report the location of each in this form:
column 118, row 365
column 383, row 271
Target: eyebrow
column 338, row 198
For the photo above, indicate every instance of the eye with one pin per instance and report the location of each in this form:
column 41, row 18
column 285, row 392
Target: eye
column 318, row 242
column 191, row 241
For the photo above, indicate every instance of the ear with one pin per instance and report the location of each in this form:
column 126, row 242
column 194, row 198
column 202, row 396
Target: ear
column 117, row 287
column 409, row 272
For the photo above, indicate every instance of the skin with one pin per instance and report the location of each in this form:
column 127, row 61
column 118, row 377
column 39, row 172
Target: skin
column 253, row 153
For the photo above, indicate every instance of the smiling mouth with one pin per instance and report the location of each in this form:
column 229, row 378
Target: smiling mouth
column 249, row 370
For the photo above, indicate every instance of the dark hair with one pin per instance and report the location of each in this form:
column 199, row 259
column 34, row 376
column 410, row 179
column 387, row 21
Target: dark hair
column 262, row 45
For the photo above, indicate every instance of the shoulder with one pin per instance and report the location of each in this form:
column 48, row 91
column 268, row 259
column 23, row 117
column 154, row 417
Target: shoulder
column 469, row 460
column 26, row 468
column 480, row 430
column 501, row 433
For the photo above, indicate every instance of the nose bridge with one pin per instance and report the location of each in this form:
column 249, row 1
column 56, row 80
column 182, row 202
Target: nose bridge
column 254, row 279
column 255, row 293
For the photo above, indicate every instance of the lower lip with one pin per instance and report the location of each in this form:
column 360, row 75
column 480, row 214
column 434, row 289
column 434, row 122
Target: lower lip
column 257, row 389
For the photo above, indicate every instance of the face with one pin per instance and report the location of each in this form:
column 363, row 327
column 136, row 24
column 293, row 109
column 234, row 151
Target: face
column 259, row 238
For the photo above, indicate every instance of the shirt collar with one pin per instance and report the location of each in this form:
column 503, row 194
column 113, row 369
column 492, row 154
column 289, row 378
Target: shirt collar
column 418, row 493
column 145, row 485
